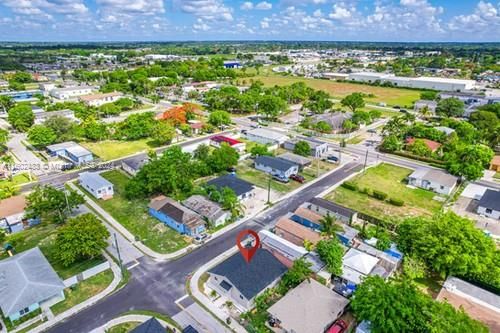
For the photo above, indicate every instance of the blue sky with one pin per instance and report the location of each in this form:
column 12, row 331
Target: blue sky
column 158, row 20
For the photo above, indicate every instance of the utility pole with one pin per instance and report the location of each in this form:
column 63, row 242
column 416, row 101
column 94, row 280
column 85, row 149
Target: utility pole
column 269, row 190
column 366, row 159
column 317, row 167
column 118, row 252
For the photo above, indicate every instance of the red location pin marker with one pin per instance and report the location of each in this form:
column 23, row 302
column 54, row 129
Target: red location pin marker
column 248, row 252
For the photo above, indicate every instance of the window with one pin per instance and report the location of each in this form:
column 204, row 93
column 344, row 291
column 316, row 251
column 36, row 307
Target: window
column 488, row 211
column 441, row 187
column 241, row 296
column 24, row 311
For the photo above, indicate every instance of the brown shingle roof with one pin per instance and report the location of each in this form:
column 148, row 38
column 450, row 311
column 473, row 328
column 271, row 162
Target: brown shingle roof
column 12, row 206
column 294, row 228
column 308, row 214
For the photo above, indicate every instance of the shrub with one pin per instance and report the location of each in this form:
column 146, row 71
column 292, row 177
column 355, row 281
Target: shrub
column 379, row 195
column 350, row 185
column 365, row 190
column 396, row 202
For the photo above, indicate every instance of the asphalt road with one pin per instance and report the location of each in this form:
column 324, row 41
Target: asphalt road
column 155, row 286
column 61, row 178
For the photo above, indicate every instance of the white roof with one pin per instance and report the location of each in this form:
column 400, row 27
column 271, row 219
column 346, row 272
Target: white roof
column 94, row 180
column 443, row 80
column 359, row 261
column 285, row 247
column 265, row 133
column 78, row 151
column 474, row 191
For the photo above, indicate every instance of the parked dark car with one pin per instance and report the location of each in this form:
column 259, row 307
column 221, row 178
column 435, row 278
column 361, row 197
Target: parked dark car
column 298, row 178
column 396, row 107
column 231, row 169
column 332, row 159
column 339, row 326
column 67, row 166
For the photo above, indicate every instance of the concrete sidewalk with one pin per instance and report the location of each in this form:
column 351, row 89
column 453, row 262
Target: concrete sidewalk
column 130, row 318
column 91, row 301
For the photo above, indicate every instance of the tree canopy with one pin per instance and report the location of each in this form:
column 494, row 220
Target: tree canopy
column 50, row 203
column 302, row 148
column 21, row 117
column 331, row 252
column 450, row 107
column 353, row 101
column 41, row 136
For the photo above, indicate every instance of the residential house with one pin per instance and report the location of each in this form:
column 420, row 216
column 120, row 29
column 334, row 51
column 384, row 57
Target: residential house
column 478, row 303
column 432, row 145
column 489, row 204
column 423, row 103
column 70, row 151
column 495, row 163
column 446, row 130
column 208, row 209
column 28, row 282
column 218, row 140
column 176, row 216
column 132, row 165
column 241, row 282
column 70, row 92
column 286, row 252
column 41, row 117
column 95, row 184
column 318, row 148
column 151, row 325
column 196, row 126
column 301, row 161
column 308, row 308
column 265, row 136
column 307, row 218
column 335, row 120
column 12, row 215
column 100, row 99
column 241, row 188
column 356, row 265
column 324, row 207
column 295, row 232
column 276, row 166
column 433, row 180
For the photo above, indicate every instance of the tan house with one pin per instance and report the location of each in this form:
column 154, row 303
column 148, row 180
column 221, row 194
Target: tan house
column 100, row 99
column 295, row 232
column 495, row 163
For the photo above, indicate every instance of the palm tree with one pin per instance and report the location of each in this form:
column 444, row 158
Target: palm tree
column 425, row 112
column 328, row 225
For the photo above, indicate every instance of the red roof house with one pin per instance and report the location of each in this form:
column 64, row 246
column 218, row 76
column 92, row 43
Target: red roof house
column 432, row 145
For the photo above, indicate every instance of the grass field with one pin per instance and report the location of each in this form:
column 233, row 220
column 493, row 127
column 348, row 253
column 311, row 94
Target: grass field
column 389, row 179
column 390, row 96
column 123, row 328
column 133, row 215
column 83, row 291
column 110, row 150
column 44, row 236
column 19, row 179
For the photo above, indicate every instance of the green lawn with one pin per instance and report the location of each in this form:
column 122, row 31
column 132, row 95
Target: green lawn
column 497, row 175
column 123, row 328
column 389, row 179
column 44, row 235
column 19, row 179
column 83, row 291
column 133, row 215
column 110, row 149
column 390, row 96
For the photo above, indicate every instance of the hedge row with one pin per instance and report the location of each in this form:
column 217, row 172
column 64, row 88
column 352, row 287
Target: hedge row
column 379, row 195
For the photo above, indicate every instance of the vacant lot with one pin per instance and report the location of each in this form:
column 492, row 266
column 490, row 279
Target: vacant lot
column 110, row 150
column 391, row 96
column 389, row 179
column 133, row 215
column 44, row 236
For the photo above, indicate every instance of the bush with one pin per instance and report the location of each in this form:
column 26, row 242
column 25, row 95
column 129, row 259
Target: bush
column 396, row 202
column 350, row 185
column 379, row 195
column 365, row 190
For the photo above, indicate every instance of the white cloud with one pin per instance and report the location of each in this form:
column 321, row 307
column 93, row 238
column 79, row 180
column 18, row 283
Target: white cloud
column 318, row 13
column 264, row 5
column 207, row 9
column 144, row 7
column 484, row 19
column 46, row 8
column 264, row 24
column 247, row 5
column 341, row 12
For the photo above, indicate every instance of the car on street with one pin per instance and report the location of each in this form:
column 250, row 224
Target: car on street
column 200, row 239
column 298, row 178
column 339, row 326
column 332, row 159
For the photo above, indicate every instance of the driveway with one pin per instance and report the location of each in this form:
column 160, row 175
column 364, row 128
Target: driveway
column 26, row 158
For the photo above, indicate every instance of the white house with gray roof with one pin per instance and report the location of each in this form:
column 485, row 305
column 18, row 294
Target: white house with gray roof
column 266, row 137
column 96, row 185
column 28, row 282
column 433, row 180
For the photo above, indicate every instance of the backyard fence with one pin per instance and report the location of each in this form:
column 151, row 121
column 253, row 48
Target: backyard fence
column 87, row 274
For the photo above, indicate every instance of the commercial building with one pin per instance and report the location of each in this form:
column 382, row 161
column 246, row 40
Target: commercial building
column 422, row 82
column 70, row 92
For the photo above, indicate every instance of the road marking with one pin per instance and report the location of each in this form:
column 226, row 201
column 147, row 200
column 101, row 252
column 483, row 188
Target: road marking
column 177, row 301
column 134, row 265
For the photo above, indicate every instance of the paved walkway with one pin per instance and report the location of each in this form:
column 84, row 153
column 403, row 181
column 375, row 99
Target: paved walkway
column 25, row 156
column 134, row 318
column 94, row 299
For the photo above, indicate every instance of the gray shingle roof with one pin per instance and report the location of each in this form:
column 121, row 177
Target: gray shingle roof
column 25, row 279
column 239, row 186
column 150, row 326
column 491, row 200
column 333, row 207
column 275, row 163
column 94, row 180
column 177, row 212
column 252, row 278
column 136, row 162
column 294, row 158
